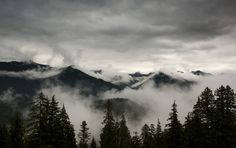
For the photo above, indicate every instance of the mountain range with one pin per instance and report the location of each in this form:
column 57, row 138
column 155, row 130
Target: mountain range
column 25, row 79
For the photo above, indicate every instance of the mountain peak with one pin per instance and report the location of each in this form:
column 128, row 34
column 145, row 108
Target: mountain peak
column 139, row 74
column 200, row 73
column 97, row 71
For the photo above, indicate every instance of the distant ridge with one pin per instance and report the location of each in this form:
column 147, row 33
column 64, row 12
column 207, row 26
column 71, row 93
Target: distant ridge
column 200, row 73
column 16, row 66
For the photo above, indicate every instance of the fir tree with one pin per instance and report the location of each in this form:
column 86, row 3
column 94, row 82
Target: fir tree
column 124, row 134
column 116, row 134
column 136, row 141
column 194, row 132
column 68, row 132
column 37, row 127
column 146, row 137
column 152, row 135
column 108, row 131
column 17, row 131
column 83, row 135
column 225, row 117
column 54, row 124
column 93, row 143
column 174, row 131
column 158, row 139
column 206, row 107
column 4, row 137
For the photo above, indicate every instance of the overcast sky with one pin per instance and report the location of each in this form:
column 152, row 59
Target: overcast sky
column 124, row 35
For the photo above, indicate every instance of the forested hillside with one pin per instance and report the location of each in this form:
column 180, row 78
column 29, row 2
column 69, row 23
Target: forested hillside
column 211, row 124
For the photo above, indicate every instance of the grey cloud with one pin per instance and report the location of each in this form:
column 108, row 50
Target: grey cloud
column 74, row 28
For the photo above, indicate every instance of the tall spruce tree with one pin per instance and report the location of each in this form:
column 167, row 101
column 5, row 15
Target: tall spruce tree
column 146, row 137
column 83, row 135
column 93, row 143
column 206, row 107
column 37, row 125
column 17, row 131
column 153, row 135
column 158, row 138
column 68, row 132
column 116, row 133
column 175, row 130
column 136, row 141
column 225, row 117
column 54, row 124
column 4, row 137
column 124, row 134
column 206, row 110
column 108, row 133
column 194, row 132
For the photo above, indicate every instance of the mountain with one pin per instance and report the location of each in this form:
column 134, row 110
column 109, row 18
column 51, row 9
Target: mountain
column 15, row 74
column 15, row 66
column 160, row 79
column 26, row 79
column 138, row 80
column 200, row 73
column 77, row 79
column 138, row 75
column 21, row 81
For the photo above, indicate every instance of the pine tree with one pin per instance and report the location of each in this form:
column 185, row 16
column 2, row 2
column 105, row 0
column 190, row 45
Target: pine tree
column 116, row 134
column 174, row 131
column 37, row 128
column 124, row 134
column 17, row 131
column 152, row 135
column 93, row 143
column 83, row 135
column 194, row 132
column 108, row 131
column 146, row 137
column 158, row 139
column 199, row 123
column 196, row 128
column 136, row 141
column 225, row 117
column 4, row 137
column 206, row 107
column 54, row 124
column 68, row 132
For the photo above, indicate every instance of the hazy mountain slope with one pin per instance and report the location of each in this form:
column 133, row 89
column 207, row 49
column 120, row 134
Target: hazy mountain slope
column 17, row 77
column 160, row 79
column 121, row 106
column 26, row 79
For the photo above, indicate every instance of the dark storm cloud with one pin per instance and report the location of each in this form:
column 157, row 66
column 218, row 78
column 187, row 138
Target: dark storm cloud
column 86, row 32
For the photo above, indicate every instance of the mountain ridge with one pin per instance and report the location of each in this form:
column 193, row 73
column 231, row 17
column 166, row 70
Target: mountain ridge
column 27, row 81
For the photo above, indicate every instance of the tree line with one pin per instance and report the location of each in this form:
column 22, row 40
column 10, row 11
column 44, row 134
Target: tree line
column 211, row 124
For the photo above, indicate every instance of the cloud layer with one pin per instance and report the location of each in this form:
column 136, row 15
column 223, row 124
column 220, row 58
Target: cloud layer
column 127, row 35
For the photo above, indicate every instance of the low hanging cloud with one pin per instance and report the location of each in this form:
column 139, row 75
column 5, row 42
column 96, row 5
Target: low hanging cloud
column 157, row 101
column 78, row 107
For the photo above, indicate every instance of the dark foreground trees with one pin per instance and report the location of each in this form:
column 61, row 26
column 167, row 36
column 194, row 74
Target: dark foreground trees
column 17, row 131
column 174, row 133
column 211, row 124
column 108, row 135
column 48, row 125
column 83, row 135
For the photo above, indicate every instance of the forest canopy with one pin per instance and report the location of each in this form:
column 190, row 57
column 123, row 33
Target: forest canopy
column 210, row 124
